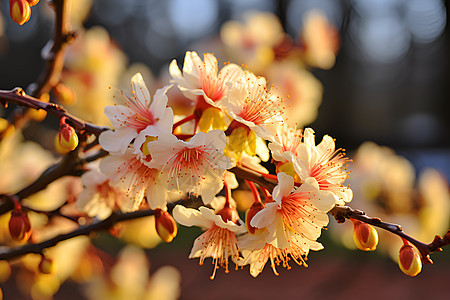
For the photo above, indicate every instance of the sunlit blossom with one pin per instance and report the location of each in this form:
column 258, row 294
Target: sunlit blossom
column 98, row 198
column 196, row 166
column 203, row 78
column 127, row 172
column 251, row 104
column 140, row 117
column 295, row 215
column 219, row 240
column 325, row 163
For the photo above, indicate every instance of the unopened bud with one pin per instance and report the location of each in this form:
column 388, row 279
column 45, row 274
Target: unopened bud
column 19, row 225
column 409, row 261
column 20, row 11
column 65, row 94
column 252, row 211
column 364, row 235
column 33, row 2
column 46, row 266
column 67, row 137
column 165, row 225
column 59, row 149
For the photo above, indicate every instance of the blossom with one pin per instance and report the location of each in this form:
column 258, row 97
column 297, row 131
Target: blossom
column 251, row 104
column 127, row 172
column 140, row 117
column 325, row 163
column 219, row 240
column 98, row 198
column 196, row 166
column 321, row 39
column 202, row 78
column 251, row 41
column 295, row 215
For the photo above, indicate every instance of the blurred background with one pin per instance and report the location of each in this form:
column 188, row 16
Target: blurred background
column 389, row 84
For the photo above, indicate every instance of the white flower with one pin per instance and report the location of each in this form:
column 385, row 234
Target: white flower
column 197, row 166
column 325, row 164
column 127, row 172
column 219, row 240
column 202, row 78
column 295, row 215
column 140, row 117
column 98, row 198
column 250, row 103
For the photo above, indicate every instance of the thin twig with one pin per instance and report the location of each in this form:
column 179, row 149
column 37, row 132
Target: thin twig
column 340, row 213
column 18, row 96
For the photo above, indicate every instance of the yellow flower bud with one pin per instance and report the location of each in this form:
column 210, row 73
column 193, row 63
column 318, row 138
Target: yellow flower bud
column 59, row 149
column 165, row 225
column 20, row 11
column 46, row 266
column 364, row 235
column 19, row 225
column 409, row 261
column 67, row 137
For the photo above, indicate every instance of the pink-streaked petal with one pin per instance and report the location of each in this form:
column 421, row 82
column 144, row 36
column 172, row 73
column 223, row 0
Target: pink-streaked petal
column 230, row 73
column 118, row 115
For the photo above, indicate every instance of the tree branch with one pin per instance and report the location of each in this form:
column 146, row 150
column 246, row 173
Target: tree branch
column 18, row 96
column 340, row 213
column 116, row 217
column 70, row 164
column 55, row 60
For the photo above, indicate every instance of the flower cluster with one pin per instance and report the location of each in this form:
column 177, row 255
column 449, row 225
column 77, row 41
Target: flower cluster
column 238, row 120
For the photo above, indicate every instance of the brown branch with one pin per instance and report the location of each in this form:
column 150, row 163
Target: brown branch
column 116, row 217
column 340, row 213
column 18, row 96
column 70, row 165
column 55, row 60
column 245, row 173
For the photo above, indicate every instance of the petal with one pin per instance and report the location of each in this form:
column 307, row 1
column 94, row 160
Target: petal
column 118, row 140
column 157, row 195
column 190, row 217
column 159, row 103
column 284, row 187
column 211, row 186
column 118, row 115
column 140, row 89
column 266, row 216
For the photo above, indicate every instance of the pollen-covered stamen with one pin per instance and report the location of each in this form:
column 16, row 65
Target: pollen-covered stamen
column 142, row 116
column 191, row 162
column 279, row 257
column 258, row 107
column 290, row 138
column 137, row 176
column 219, row 244
column 330, row 168
column 298, row 212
